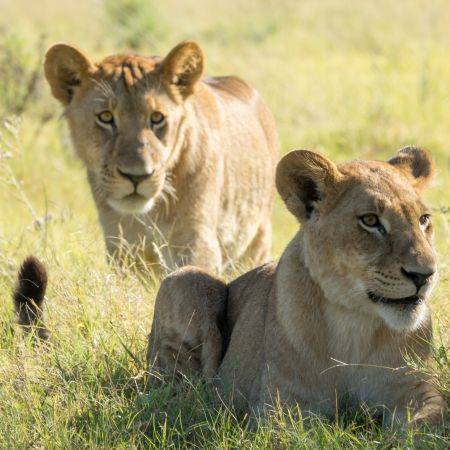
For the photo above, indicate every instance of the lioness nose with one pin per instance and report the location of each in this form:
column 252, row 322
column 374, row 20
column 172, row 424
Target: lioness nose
column 135, row 179
column 419, row 279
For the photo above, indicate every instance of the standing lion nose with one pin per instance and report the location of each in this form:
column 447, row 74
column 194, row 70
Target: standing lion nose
column 419, row 279
column 135, row 179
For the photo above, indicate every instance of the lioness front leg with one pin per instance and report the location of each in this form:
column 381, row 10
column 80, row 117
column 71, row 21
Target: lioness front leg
column 420, row 405
column 432, row 407
column 189, row 315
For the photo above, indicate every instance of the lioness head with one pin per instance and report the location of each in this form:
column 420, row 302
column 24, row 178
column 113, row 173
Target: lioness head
column 127, row 117
column 367, row 235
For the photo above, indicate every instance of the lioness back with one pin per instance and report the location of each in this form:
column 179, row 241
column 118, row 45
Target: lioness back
column 181, row 169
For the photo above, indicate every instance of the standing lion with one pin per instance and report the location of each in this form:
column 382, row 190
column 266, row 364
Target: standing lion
column 180, row 167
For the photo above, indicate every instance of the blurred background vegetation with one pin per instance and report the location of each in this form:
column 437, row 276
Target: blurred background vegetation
column 352, row 79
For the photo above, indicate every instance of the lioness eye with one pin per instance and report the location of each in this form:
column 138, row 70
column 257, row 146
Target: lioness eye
column 156, row 118
column 106, row 117
column 425, row 220
column 370, row 220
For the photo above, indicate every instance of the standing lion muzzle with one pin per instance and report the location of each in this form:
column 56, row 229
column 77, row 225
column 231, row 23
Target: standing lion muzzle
column 135, row 179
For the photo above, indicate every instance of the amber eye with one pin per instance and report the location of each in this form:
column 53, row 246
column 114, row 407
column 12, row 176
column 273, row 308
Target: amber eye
column 425, row 220
column 371, row 223
column 370, row 220
column 157, row 118
column 106, row 117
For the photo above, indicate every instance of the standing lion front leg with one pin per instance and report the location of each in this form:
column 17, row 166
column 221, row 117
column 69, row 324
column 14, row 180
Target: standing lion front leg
column 190, row 313
column 205, row 253
column 193, row 242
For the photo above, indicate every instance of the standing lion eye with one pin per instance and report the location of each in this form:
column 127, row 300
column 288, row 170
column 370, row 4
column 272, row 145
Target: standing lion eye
column 425, row 220
column 106, row 117
column 157, row 118
column 370, row 220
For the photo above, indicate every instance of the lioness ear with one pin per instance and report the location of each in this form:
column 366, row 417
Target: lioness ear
column 65, row 69
column 304, row 178
column 183, row 67
column 416, row 163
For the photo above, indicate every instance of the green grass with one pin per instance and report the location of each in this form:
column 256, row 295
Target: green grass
column 352, row 79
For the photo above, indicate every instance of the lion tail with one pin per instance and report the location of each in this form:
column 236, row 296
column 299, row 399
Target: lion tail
column 29, row 295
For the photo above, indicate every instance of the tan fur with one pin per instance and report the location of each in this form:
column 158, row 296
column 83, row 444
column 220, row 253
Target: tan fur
column 187, row 333
column 305, row 330
column 210, row 194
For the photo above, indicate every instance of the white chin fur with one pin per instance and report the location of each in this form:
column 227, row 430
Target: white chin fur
column 402, row 318
column 132, row 206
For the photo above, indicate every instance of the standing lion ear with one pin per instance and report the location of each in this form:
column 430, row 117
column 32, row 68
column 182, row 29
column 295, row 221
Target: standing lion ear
column 182, row 68
column 304, row 178
column 65, row 69
column 417, row 164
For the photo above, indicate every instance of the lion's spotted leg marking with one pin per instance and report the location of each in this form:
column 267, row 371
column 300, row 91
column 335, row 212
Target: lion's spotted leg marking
column 189, row 315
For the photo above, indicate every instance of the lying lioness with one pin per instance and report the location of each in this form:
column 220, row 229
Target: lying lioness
column 178, row 166
column 334, row 319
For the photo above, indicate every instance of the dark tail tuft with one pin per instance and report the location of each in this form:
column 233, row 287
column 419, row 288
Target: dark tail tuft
column 29, row 295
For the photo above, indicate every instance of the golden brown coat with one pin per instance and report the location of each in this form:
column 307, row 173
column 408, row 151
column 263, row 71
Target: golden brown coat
column 348, row 300
column 179, row 167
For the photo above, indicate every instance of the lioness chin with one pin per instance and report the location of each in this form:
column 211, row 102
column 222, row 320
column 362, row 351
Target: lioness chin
column 179, row 167
column 348, row 300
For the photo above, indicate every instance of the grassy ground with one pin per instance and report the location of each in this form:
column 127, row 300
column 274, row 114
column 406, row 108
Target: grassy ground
column 351, row 79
